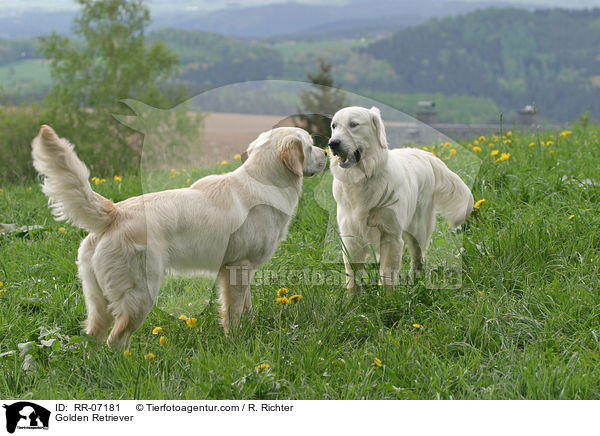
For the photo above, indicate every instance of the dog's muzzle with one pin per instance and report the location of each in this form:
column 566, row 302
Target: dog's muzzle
column 349, row 160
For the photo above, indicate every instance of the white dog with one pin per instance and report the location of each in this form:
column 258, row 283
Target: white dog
column 226, row 224
column 387, row 197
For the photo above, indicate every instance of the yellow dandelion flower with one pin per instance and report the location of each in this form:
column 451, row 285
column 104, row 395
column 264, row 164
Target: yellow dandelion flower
column 494, row 152
column 326, row 150
column 426, row 148
column 118, row 178
column 283, row 300
column 509, row 133
column 282, row 291
column 127, row 353
column 0, row 284
column 543, row 143
column 263, row 366
column 476, row 142
column 3, row 291
column 551, row 151
column 174, row 172
column 162, row 340
column 191, row 322
column 186, row 360
column 531, row 144
column 377, row 362
column 503, row 157
column 482, row 138
column 237, row 156
column 565, row 133
column 452, row 151
column 495, row 138
column 549, row 143
column 417, row 326
column 62, row 230
column 96, row 180
column 149, row 356
column 570, row 218
column 477, row 149
column 478, row 204
column 183, row 317
column 224, row 162
column 480, row 292
column 30, row 188
column 294, row 298
column 156, row 330
column 102, row 180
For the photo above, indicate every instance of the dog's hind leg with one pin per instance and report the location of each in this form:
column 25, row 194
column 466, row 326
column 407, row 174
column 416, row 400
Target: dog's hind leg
column 130, row 313
column 99, row 317
column 132, row 286
column 128, row 321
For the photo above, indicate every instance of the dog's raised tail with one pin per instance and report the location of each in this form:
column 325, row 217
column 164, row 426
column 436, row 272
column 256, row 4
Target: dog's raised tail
column 452, row 196
column 65, row 182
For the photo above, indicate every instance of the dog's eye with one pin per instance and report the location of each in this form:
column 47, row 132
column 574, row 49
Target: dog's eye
column 333, row 126
column 353, row 124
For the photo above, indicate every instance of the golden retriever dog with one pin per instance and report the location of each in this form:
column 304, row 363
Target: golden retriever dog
column 226, row 224
column 387, row 197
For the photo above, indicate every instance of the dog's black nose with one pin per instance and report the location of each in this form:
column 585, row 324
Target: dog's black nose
column 334, row 144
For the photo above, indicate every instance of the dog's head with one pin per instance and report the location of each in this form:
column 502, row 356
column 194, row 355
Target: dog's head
column 355, row 133
column 290, row 148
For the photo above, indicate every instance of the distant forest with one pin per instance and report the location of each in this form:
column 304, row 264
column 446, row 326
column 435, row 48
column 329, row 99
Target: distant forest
column 515, row 57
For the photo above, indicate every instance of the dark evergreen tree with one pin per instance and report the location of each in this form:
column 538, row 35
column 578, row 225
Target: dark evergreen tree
column 320, row 103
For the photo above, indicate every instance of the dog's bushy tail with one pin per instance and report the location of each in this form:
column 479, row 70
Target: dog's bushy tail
column 66, row 184
column 452, row 196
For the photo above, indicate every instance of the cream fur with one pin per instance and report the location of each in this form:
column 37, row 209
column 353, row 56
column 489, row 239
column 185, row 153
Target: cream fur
column 226, row 225
column 389, row 197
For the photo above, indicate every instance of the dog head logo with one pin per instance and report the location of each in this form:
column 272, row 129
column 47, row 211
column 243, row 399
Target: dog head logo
column 26, row 415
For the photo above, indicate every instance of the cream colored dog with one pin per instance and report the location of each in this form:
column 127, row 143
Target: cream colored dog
column 225, row 224
column 388, row 197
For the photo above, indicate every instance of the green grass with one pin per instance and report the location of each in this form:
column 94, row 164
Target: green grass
column 25, row 77
column 524, row 324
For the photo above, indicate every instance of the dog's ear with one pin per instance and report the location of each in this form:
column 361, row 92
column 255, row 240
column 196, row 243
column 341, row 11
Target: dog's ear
column 244, row 156
column 379, row 127
column 291, row 153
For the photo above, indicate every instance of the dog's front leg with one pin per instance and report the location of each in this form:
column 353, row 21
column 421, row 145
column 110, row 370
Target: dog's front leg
column 234, row 283
column 354, row 253
column 354, row 273
column 391, row 248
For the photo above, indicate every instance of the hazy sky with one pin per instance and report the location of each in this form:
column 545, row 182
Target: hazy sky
column 8, row 6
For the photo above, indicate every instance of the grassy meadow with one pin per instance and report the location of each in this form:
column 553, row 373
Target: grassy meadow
column 25, row 77
column 525, row 323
